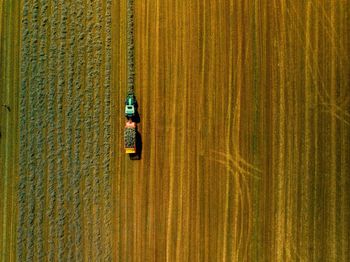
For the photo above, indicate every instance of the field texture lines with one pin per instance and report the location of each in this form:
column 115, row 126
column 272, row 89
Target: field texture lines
column 244, row 130
column 244, row 109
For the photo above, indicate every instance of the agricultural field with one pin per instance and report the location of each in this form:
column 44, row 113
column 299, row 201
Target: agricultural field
column 64, row 184
column 244, row 126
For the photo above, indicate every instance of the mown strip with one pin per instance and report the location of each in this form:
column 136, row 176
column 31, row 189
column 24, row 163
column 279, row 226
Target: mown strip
column 9, row 98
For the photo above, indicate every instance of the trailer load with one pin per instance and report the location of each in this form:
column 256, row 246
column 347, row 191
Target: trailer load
column 130, row 137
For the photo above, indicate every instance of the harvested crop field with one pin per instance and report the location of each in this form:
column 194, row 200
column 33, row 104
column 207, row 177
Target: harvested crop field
column 64, row 183
column 244, row 122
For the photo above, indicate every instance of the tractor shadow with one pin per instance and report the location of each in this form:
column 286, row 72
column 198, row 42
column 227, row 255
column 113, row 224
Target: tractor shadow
column 138, row 154
column 136, row 118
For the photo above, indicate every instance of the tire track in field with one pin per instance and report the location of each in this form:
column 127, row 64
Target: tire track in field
column 316, row 138
column 243, row 194
column 22, row 185
column 336, row 108
column 279, row 141
column 299, row 203
column 331, row 223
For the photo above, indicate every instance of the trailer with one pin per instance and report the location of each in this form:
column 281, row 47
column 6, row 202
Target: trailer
column 130, row 137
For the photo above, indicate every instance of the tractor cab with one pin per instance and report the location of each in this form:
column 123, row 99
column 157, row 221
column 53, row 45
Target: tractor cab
column 130, row 103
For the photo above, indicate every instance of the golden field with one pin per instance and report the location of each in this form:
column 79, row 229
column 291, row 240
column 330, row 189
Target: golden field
column 244, row 119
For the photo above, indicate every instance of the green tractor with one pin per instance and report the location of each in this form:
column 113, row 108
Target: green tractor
column 130, row 104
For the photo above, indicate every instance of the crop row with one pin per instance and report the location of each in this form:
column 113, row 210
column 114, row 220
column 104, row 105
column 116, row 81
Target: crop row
column 96, row 127
column 40, row 126
column 78, row 98
column 22, row 185
column 33, row 139
column 61, row 84
column 88, row 130
column 51, row 133
column 69, row 124
column 107, row 181
column 130, row 45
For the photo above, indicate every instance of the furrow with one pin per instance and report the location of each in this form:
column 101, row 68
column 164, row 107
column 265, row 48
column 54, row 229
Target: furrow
column 96, row 127
column 50, row 140
column 69, row 124
column 40, row 134
column 61, row 216
column 78, row 131
column 88, row 131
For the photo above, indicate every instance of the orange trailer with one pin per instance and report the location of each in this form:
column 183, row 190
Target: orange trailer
column 130, row 137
